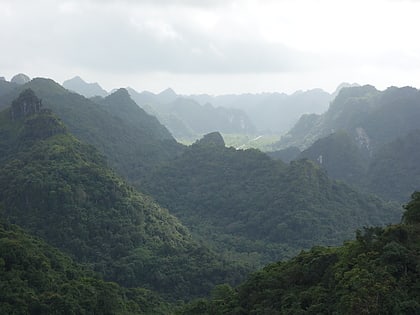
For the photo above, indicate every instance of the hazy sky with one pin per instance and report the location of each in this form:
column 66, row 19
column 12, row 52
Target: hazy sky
column 219, row 46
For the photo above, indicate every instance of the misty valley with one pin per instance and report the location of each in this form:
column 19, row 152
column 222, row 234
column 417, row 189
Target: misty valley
column 131, row 202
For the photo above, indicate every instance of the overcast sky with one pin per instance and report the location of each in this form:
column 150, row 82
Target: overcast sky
column 216, row 47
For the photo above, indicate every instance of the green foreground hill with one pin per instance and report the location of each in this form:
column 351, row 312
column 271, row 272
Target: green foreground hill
column 61, row 190
column 377, row 273
column 36, row 278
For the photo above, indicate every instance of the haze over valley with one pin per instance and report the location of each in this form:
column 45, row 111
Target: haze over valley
column 212, row 157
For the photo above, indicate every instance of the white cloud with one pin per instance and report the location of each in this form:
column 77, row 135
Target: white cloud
column 183, row 39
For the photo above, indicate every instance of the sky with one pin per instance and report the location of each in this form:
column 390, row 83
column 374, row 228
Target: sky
column 213, row 46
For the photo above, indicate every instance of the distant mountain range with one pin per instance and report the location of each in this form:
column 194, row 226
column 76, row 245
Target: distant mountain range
column 105, row 184
column 188, row 117
column 272, row 112
column 78, row 85
column 367, row 138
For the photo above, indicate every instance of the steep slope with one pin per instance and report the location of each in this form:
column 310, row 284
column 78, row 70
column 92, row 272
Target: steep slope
column 120, row 105
column 78, row 85
column 206, row 118
column 61, row 190
column 272, row 112
column 286, row 155
column 6, row 87
column 340, row 156
column 36, row 278
column 187, row 119
column 258, row 209
column 394, row 170
column 391, row 172
column 371, row 117
column 378, row 273
column 130, row 147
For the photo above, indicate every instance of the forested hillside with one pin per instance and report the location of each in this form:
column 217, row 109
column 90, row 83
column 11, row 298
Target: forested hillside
column 394, row 171
column 257, row 209
column 61, row 190
column 377, row 273
column 132, row 141
column 367, row 138
column 35, row 278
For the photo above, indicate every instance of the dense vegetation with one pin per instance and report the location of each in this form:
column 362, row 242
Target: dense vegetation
column 391, row 172
column 132, row 146
column 35, row 278
column 259, row 210
column 367, row 138
column 340, row 155
column 394, row 170
column 61, row 190
column 377, row 273
column 245, row 205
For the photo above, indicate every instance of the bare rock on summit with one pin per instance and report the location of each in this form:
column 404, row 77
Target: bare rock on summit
column 25, row 105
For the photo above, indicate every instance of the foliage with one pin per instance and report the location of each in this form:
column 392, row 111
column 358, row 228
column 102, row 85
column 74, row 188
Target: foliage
column 340, row 156
column 367, row 138
column 394, row 171
column 35, row 278
column 133, row 141
column 258, row 210
column 412, row 213
column 61, row 190
column 286, row 155
column 377, row 273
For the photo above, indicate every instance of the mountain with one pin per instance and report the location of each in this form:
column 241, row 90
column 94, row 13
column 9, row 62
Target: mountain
column 166, row 96
column 373, row 118
column 340, row 156
column 286, row 155
column 36, row 278
column 205, row 118
column 377, row 273
column 272, row 112
column 394, row 171
column 189, row 120
column 20, row 79
column 367, row 138
column 61, row 190
column 342, row 86
column 256, row 209
column 78, row 85
column 7, row 87
column 391, row 172
column 132, row 146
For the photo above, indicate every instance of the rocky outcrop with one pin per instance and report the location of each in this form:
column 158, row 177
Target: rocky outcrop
column 25, row 105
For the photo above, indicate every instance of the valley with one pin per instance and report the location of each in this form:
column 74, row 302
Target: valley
column 103, row 187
